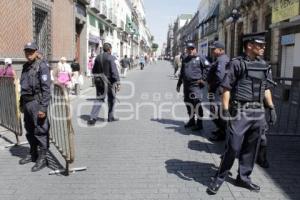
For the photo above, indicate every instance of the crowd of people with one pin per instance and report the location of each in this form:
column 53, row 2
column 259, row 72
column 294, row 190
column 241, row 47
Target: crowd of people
column 239, row 92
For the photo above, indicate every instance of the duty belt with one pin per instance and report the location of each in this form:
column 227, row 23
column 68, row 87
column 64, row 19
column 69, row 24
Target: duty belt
column 248, row 105
column 28, row 98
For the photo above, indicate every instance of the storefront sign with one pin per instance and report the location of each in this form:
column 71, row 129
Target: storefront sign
column 288, row 39
column 284, row 9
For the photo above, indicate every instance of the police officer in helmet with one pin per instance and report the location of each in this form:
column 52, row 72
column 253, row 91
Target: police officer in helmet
column 246, row 88
column 34, row 101
column 192, row 76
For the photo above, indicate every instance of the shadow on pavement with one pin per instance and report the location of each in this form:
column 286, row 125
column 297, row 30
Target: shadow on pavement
column 177, row 126
column 191, row 170
column 206, row 147
column 284, row 158
column 87, row 117
column 22, row 151
column 19, row 151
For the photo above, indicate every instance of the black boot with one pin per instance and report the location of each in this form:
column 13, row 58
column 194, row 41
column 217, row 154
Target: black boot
column 31, row 157
column 262, row 157
column 217, row 136
column 190, row 123
column 198, row 126
column 41, row 161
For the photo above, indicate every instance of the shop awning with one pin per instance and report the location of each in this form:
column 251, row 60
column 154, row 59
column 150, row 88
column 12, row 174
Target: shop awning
column 283, row 25
column 94, row 39
column 212, row 13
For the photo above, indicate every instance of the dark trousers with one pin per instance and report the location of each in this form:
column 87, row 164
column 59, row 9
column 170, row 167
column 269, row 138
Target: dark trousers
column 243, row 142
column 37, row 129
column 219, row 122
column 101, row 94
column 194, row 108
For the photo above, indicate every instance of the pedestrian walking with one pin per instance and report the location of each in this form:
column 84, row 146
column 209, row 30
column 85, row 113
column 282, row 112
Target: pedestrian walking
column 34, row 101
column 125, row 64
column 64, row 74
column 193, row 76
column 245, row 90
column 142, row 62
column 75, row 66
column 215, row 77
column 8, row 70
column 90, row 65
column 107, row 83
column 177, row 65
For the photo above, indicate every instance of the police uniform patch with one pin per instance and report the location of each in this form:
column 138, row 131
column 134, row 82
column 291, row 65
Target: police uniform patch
column 206, row 62
column 44, row 77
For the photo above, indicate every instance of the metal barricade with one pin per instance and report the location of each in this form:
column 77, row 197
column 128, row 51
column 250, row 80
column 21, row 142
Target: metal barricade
column 10, row 116
column 286, row 96
column 61, row 129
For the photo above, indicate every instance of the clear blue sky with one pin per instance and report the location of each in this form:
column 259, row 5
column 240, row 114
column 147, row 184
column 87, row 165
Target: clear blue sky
column 160, row 13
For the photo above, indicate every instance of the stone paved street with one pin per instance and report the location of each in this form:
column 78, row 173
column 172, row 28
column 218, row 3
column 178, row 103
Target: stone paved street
column 150, row 156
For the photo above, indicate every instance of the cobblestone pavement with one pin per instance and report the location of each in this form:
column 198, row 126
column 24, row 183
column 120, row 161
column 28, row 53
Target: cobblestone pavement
column 150, row 156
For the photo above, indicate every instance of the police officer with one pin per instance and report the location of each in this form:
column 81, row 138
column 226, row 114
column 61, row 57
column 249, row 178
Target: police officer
column 215, row 77
column 246, row 85
column 107, row 82
column 34, row 101
column 193, row 76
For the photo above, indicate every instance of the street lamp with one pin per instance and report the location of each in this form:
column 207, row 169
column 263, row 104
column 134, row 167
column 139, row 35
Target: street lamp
column 234, row 17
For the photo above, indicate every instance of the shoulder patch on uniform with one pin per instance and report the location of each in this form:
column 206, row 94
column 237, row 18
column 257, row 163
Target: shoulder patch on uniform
column 44, row 77
column 206, row 62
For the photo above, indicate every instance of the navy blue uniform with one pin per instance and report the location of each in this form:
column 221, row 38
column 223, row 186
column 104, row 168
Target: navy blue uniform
column 106, row 75
column 247, row 81
column 215, row 77
column 35, row 97
column 193, row 70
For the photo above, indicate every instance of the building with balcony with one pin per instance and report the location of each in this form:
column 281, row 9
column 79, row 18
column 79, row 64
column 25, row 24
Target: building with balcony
column 285, row 38
column 179, row 31
column 49, row 23
column 208, row 24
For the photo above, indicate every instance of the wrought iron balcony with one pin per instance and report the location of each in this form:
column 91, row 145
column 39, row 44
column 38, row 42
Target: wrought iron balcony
column 109, row 16
column 103, row 10
column 86, row 2
column 114, row 20
column 95, row 5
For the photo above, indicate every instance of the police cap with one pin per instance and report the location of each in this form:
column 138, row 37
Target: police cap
column 255, row 37
column 31, row 46
column 217, row 45
column 106, row 46
column 190, row 45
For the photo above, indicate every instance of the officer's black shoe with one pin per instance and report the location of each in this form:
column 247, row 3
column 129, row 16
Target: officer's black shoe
column 41, row 162
column 190, row 123
column 113, row 119
column 216, row 138
column 214, row 187
column 248, row 185
column 196, row 128
column 91, row 122
column 29, row 158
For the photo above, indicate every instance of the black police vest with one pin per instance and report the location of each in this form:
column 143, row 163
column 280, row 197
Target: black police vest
column 252, row 84
column 193, row 69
